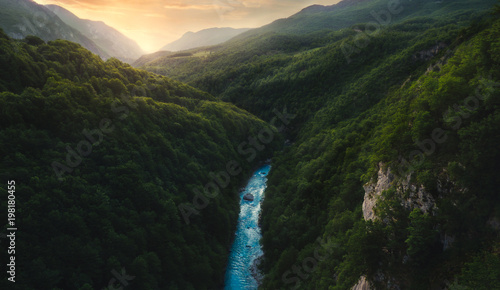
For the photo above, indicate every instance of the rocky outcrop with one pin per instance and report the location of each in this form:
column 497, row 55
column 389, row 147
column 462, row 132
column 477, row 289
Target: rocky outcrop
column 429, row 53
column 254, row 269
column 373, row 191
column 248, row 197
column 411, row 195
column 362, row 284
column 417, row 196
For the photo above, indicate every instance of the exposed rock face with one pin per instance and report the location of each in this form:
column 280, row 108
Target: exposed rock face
column 373, row 191
column 430, row 53
column 417, row 196
column 362, row 284
column 248, row 197
column 411, row 196
column 254, row 269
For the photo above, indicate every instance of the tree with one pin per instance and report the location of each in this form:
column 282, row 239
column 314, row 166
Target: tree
column 421, row 236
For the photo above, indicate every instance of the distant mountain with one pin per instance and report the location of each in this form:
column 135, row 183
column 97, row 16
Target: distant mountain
column 365, row 83
column 20, row 18
column 146, row 58
column 340, row 5
column 113, row 42
column 205, row 37
column 317, row 18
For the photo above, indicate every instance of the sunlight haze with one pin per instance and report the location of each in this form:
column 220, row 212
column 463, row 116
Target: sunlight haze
column 155, row 23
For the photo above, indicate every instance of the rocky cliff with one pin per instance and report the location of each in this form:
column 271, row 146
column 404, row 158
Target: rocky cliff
column 411, row 195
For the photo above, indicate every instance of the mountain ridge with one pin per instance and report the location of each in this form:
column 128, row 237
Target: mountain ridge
column 112, row 41
column 21, row 18
column 365, row 99
column 104, row 154
column 205, row 37
column 388, row 178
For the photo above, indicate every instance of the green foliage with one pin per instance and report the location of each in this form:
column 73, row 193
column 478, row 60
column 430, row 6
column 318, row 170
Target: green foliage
column 301, row 61
column 102, row 155
column 427, row 83
column 483, row 272
column 421, row 237
column 381, row 107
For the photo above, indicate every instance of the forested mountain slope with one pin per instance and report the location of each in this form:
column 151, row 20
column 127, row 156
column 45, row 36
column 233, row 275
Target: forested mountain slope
column 389, row 177
column 113, row 42
column 20, row 18
column 425, row 157
column 350, row 12
column 391, row 172
column 102, row 156
column 264, row 67
column 205, row 37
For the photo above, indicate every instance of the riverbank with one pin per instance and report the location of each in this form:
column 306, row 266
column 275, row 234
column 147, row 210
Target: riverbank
column 256, row 274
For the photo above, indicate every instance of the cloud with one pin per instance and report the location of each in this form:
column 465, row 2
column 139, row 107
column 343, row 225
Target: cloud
column 253, row 3
column 154, row 15
column 182, row 6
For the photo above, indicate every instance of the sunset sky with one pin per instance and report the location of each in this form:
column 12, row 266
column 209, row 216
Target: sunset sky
column 155, row 23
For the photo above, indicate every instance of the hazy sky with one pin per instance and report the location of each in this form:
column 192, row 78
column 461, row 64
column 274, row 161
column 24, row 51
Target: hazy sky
column 154, row 23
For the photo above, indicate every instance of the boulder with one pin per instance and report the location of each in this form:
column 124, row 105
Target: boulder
column 248, row 197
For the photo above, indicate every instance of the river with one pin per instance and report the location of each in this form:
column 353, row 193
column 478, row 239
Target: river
column 246, row 247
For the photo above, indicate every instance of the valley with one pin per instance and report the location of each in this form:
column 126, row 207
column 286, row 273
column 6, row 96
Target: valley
column 379, row 119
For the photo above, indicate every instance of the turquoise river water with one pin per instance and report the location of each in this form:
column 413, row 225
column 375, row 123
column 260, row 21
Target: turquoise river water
column 246, row 247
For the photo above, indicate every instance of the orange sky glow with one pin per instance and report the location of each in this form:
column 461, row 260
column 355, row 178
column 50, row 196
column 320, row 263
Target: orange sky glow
column 155, row 23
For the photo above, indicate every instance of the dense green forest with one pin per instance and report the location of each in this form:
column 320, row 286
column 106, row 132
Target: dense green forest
column 105, row 159
column 323, row 191
column 308, row 67
column 419, row 96
column 127, row 176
